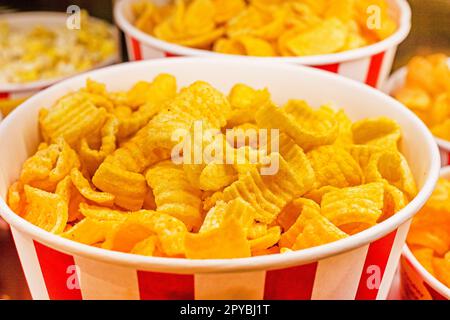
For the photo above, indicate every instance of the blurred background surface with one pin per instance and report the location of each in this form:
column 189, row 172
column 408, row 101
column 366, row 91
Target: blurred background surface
column 430, row 33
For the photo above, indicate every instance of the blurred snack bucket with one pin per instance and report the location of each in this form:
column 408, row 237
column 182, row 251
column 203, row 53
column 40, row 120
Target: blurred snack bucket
column 13, row 94
column 370, row 65
column 359, row 267
column 415, row 281
column 395, row 81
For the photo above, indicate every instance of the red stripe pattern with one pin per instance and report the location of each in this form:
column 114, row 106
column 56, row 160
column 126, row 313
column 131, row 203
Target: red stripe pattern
column 433, row 293
column 136, row 49
column 290, row 284
column 170, row 55
column 372, row 75
column 329, row 67
column 376, row 62
column 59, row 272
column 165, row 286
column 374, row 267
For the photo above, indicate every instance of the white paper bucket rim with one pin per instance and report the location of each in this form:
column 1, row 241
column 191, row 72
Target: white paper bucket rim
column 390, row 42
column 427, row 276
column 49, row 18
column 175, row 265
column 397, row 79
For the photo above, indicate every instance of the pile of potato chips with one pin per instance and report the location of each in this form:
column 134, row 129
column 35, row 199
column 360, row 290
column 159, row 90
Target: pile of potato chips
column 106, row 172
column 429, row 236
column 268, row 27
column 427, row 92
column 39, row 53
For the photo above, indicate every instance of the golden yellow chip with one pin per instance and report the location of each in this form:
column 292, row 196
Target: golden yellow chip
column 245, row 101
column 49, row 165
column 16, row 197
column 328, row 37
column 91, row 158
column 394, row 201
column 266, row 241
column 392, row 167
column 229, row 46
column 268, row 194
column 45, row 210
column 129, row 188
column 256, row 47
column 173, row 193
column 227, row 241
column 268, row 27
column 85, row 188
column 425, row 257
column 89, row 231
column 146, row 247
column 192, row 175
column 317, row 230
column 307, row 127
column 256, row 230
column 72, row 117
column 381, row 132
column 361, row 204
column 238, row 210
column 334, row 166
column 441, row 268
column 227, row 9
column 426, row 92
column 294, row 222
column 143, row 224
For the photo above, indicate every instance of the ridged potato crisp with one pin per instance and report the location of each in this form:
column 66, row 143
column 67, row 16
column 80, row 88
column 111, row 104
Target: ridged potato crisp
column 199, row 174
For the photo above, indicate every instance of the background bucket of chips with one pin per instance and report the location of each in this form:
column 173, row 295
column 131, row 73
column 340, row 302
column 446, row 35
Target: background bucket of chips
column 416, row 282
column 395, row 81
column 12, row 94
column 371, row 64
column 359, row 267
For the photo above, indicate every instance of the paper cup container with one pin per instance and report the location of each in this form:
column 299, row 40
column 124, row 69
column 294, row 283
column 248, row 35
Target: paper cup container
column 371, row 64
column 359, row 267
column 394, row 82
column 15, row 93
column 416, row 282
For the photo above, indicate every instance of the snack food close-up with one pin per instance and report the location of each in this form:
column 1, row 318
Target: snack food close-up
column 423, row 86
column 356, row 39
column 226, row 150
column 105, row 172
column 266, row 28
column 428, row 238
column 110, row 162
column 425, row 267
column 426, row 92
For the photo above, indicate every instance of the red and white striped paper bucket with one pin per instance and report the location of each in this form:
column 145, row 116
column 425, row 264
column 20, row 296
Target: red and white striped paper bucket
column 358, row 267
column 21, row 91
column 370, row 65
column 396, row 81
column 416, row 283
column 364, row 273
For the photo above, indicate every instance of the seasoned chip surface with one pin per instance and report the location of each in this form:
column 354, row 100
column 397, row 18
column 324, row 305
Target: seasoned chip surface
column 194, row 173
column 267, row 28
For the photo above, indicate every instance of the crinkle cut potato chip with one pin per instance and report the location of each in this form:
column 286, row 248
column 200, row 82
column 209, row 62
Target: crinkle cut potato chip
column 173, row 193
column 307, row 127
column 429, row 236
column 191, row 172
column 266, row 28
column 426, row 92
